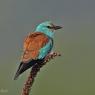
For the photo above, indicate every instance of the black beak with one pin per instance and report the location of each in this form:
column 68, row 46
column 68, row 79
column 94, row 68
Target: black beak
column 54, row 27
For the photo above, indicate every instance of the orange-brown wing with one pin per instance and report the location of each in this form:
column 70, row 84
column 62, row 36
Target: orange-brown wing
column 32, row 44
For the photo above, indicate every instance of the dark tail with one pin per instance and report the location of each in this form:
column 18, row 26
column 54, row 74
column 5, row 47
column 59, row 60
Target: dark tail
column 24, row 66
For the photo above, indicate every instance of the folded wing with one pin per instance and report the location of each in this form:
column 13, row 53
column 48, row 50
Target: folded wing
column 32, row 45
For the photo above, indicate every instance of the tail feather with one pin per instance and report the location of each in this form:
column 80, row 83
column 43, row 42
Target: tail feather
column 24, row 66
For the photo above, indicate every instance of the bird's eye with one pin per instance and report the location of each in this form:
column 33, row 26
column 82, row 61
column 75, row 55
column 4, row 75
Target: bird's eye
column 49, row 27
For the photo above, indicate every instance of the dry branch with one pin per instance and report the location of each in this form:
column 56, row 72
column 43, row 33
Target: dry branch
column 35, row 69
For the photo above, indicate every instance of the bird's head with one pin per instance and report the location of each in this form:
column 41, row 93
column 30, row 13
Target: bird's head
column 48, row 28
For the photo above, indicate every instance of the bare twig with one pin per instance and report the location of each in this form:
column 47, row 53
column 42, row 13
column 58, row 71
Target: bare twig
column 35, row 69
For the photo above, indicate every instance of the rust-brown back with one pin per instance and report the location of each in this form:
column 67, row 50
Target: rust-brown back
column 32, row 44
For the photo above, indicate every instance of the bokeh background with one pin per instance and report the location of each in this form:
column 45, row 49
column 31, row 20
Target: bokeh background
column 71, row 74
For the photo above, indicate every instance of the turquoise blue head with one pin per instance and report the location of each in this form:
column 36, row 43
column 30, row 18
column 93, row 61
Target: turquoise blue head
column 47, row 28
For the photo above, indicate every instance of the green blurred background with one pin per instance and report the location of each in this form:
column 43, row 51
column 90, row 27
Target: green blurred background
column 71, row 74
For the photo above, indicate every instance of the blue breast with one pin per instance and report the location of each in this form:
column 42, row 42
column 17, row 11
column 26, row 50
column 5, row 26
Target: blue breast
column 46, row 49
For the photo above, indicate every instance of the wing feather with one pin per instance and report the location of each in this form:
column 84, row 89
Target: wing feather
column 32, row 44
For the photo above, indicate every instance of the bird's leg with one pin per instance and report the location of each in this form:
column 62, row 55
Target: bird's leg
column 35, row 69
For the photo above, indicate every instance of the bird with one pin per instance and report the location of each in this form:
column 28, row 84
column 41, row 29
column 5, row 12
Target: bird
column 37, row 45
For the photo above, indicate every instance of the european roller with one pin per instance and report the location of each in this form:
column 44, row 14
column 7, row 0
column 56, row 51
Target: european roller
column 37, row 45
